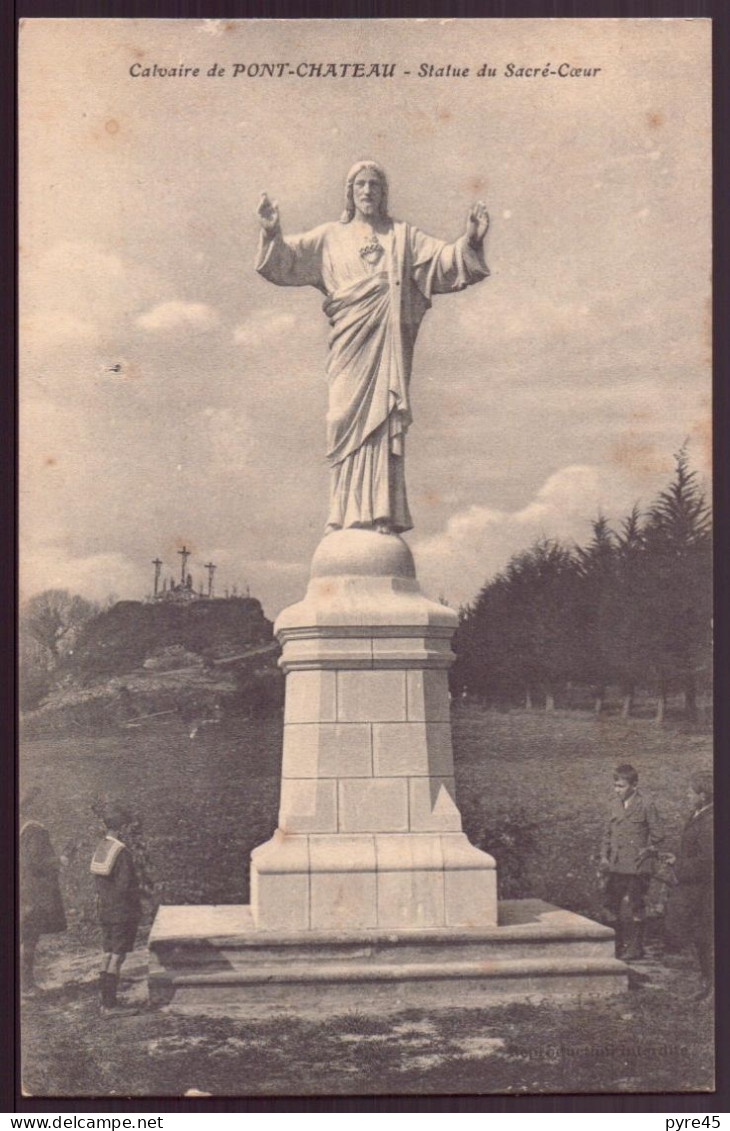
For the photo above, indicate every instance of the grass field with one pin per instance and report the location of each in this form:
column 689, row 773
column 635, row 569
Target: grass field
column 533, row 789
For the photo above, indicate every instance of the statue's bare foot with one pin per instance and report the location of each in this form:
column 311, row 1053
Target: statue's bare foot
column 330, row 528
column 383, row 528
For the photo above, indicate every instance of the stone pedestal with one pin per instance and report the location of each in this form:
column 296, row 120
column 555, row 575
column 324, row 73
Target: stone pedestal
column 369, row 831
column 369, row 895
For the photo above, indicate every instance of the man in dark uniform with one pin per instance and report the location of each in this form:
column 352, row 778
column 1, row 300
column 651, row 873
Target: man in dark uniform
column 629, row 844
column 41, row 906
column 693, row 895
column 118, row 902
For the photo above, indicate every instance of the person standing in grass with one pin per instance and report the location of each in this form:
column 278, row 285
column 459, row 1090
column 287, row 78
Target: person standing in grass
column 119, row 904
column 691, row 907
column 41, row 906
column 632, row 834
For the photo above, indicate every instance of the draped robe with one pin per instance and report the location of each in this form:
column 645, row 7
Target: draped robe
column 374, row 311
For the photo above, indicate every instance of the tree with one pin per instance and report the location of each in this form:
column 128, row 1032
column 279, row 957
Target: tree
column 678, row 586
column 597, row 567
column 632, row 607
column 545, row 582
column 52, row 619
column 49, row 625
column 627, row 640
column 487, row 648
column 519, row 638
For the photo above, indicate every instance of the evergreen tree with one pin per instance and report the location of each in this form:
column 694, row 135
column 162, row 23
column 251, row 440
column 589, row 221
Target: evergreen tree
column 626, row 639
column 632, row 607
column 597, row 569
column 540, row 628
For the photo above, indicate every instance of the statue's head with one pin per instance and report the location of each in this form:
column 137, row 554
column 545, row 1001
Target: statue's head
column 360, row 173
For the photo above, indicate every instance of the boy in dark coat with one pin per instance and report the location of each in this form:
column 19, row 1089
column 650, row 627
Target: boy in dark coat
column 629, row 844
column 694, row 893
column 41, row 906
column 118, row 903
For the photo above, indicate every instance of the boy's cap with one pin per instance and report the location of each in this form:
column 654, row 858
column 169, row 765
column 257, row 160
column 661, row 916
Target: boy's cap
column 702, row 782
column 114, row 815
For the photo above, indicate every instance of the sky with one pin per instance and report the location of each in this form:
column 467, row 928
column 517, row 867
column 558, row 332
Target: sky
column 170, row 396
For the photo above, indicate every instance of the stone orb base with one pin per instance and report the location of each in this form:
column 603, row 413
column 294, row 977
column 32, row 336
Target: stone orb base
column 357, row 552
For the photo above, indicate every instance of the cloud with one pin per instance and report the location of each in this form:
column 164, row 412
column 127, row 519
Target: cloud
column 83, row 259
column 232, row 441
column 271, row 565
column 79, row 292
column 477, row 542
column 536, row 315
column 175, row 315
column 275, row 582
column 572, row 493
column 262, row 327
column 69, row 277
column 95, row 576
column 55, row 328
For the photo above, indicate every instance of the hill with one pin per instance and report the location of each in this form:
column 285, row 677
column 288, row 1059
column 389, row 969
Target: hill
column 123, row 637
column 136, row 660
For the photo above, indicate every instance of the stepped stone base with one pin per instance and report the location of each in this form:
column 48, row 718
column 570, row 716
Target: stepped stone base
column 207, row 956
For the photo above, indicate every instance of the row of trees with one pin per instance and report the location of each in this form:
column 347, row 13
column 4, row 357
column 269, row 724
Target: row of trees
column 632, row 609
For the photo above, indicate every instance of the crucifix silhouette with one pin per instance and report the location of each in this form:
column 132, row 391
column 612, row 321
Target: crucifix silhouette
column 184, row 554
column 158, row 566
column 211, row 570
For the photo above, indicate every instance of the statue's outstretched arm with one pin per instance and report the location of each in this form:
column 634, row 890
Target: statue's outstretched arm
column 292, row 261
column 477, row 225
column 440, row 267
column 268, row 216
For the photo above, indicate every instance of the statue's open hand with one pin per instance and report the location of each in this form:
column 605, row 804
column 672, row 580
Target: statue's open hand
column 268, row 214
column 477, row 223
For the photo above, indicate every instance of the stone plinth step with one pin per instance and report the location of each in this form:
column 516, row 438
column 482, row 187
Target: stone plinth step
column 215, row 955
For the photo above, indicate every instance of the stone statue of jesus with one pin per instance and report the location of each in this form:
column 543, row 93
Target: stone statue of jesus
column 378, row 276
